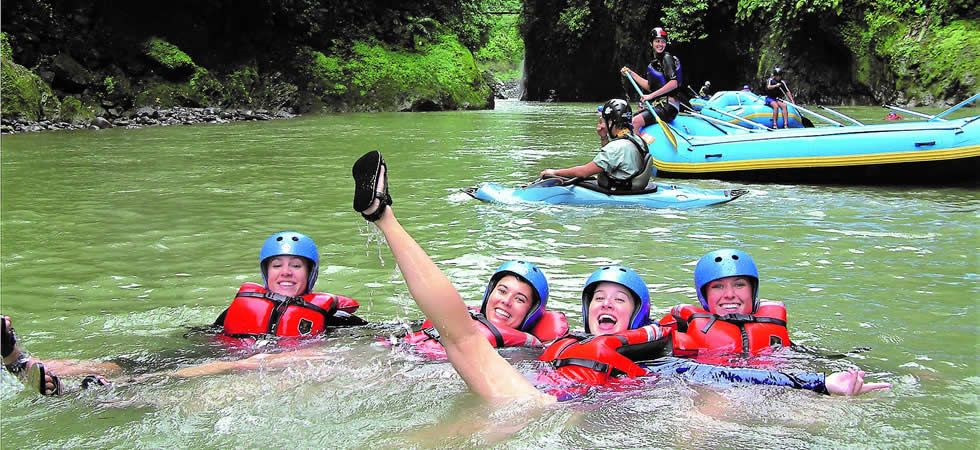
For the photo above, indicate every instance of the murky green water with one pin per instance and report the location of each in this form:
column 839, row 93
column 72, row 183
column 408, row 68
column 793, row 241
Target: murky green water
column 115, row 242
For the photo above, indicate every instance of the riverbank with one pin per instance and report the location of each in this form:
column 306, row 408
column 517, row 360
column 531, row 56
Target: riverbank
column 148, row 117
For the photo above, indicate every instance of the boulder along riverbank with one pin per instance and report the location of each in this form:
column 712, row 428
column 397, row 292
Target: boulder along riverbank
column 147, row 117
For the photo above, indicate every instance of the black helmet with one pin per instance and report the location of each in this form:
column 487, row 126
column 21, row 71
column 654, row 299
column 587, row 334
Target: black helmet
column 777, row 72
column 658, row 33
column 617, row 112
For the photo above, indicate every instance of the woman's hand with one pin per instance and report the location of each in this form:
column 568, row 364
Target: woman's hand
column 851, row 383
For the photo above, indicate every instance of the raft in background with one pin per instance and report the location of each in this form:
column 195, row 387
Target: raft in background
column 571, row 191
column 723, row 105
column 934, row 151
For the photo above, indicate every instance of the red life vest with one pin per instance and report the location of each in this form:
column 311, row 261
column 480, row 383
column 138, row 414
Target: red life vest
column 598, row 359
column 551, row 325
column 696, row 331
column 256, row 311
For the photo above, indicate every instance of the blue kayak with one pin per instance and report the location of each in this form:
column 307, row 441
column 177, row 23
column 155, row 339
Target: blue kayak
column 551, row 191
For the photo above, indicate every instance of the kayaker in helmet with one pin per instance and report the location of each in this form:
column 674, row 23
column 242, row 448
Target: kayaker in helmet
column 283, row 306
column 615, row 306
column 705, row 90
column 623, row 163
column 776, row 89
column 663, row 77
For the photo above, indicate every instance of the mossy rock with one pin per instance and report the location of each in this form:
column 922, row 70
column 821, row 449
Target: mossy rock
column 24, row 94
column 73, row 111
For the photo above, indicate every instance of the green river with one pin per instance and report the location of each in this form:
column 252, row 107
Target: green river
column 116, row 243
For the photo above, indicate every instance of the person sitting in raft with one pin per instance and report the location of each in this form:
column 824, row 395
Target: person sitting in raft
column 615, row 303
column 733, row 320
column 705, row 91
column 746, row 88
column 663, row 78
column 284, row 306
column 624, row 163
column 776, row 88
column 512, row 313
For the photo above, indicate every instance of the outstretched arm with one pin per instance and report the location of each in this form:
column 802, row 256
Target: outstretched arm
column 839, row 383
column 585, row 170
column 481, row 367
column 259, row 361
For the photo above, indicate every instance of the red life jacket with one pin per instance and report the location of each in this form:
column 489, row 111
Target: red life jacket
column 256, row 311
column 598, row 359
column 551, row 325
column 696, row 331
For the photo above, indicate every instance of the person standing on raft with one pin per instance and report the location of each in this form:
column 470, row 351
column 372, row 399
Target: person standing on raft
column 663, row 78
column 776, row 88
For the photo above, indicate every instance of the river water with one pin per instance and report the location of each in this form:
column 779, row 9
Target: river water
column 116, row 243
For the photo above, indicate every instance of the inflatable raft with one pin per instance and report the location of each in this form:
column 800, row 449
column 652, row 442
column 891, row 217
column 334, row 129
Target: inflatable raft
column 934, row 151
column 729, row 106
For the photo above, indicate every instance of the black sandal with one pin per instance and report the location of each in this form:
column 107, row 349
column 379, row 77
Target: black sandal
column 367, row 176
column 36, row 378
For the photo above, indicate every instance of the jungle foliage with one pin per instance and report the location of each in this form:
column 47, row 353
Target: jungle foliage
column 914, row 51
column 116, row 56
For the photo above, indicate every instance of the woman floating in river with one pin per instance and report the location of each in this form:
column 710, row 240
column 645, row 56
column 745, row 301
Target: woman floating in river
column 284, row 306
column 512, row 314
column 615, row 303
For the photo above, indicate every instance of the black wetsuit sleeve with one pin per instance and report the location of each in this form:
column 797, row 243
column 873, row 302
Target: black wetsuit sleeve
column 670, row 72
column 711, row 374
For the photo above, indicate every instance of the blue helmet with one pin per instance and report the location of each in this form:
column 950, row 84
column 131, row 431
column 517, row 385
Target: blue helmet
column 294, row 244
column 629, row 279
column 723, row 263
column 529, row 273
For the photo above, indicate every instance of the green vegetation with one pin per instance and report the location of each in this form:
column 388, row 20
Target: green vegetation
column 504, row 50
column 379, row 77
column 915, row 47
column 168, row 55
column 5, row 51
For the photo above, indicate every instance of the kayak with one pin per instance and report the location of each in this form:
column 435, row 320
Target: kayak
column 552, row 191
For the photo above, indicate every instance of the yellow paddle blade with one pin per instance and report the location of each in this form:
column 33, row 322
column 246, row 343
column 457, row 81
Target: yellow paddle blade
column 670, row 135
